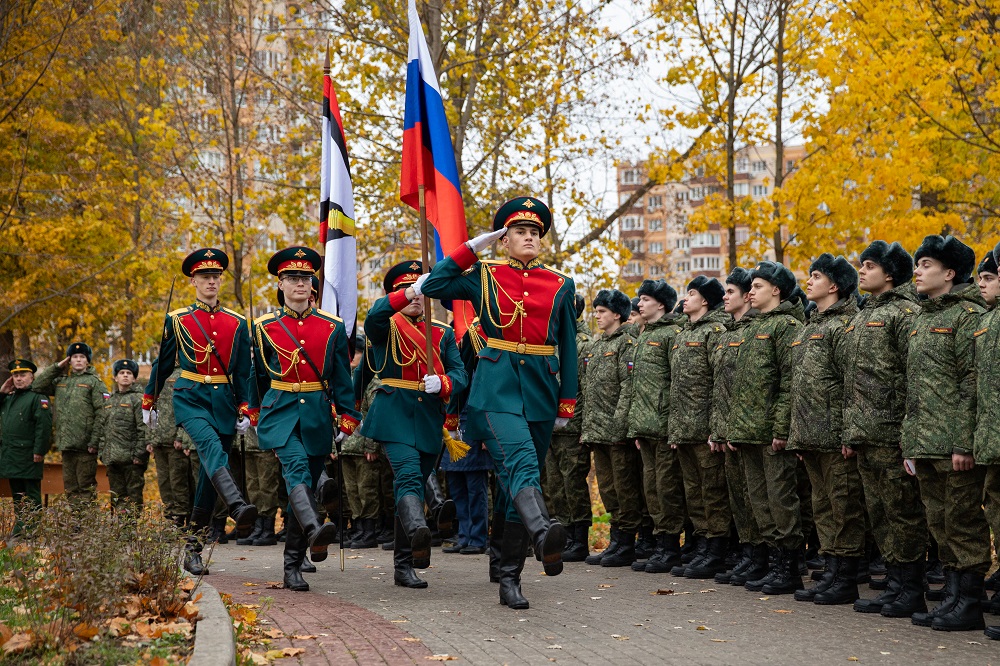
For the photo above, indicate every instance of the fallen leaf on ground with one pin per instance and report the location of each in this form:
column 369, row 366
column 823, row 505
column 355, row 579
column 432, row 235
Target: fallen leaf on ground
column 594, row 598
column 274, row 654
column 441, row 657
column 718, row 640
column 274, row 633
column 711, row 589
column 604, row 586
column 274, row 585
column 257, row 659
column 399, row 621
column 303, row 637
column 293, row 651
column 17, row 643
column 249, row 584
column 781, row 610
column 85, row 631
column 664, row 591
column 619, row 637
column 553, row 647
column 411, row 639
column 118, row 626
column 702, row 627
column 852, row 659
column 354, row 557
column 239, row 559
column 5, row 633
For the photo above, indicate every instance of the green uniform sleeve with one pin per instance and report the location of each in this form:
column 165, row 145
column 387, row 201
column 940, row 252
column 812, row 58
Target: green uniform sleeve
column 43, row 428
column 377, row 321
column 781, row 409
column 143, row 434
column 262, row 378
column 619, row 423
column 240, row 366
column 45, row 380
column 965, row 371
column 455, row 370
column 568, row 357
column 97, row 401
column 449, row 280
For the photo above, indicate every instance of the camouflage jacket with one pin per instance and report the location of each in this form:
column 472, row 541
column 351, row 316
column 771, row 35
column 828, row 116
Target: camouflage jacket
column 759, row 401
column 987, row 440
column 607, row 388
column 724, row 359
column 877, row 341
column 692, row 366
column 941, row 375
column 123, row 438
column 583, row 341
column 649, row 411
column 818, row 379
column 166, row 430
column 357, row 444
column 78, row 406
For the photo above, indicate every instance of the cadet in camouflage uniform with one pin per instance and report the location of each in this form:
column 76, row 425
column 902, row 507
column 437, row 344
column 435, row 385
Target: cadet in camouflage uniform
column 360, row 461
column 263, row 475
column 568, row 464
column 758, row 421
column 940, row 424
column 173, row 464
column 79, row 413
column 702, row 467
column 607, row 390
column 25, row 436
column 122, row 442
column 816, row 425
column 987, row 438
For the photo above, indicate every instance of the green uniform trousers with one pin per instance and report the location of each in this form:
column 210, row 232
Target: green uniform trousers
column 127, row 482
column 387, row 505
column 410, row 469
column 953, row 502
column 739, row 500
column 705, row 491
column 361, row 486
column 895, row 512
column 567, row 493
column 518, row 448
column 991, row 502
column 837, row 502
column 21, row 490
column 771, row 484
column 174, row 479
column 617, row 468
column 663, row 486
column 263, row 479
column 79, row 470
column 803, row 488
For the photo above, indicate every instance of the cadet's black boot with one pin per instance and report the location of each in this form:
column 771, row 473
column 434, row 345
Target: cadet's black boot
column 513, row 550
column 307, row 566
column 669, row 555
column 952, row 581
column 993, row 633
column 786, row 579
column 578, row 544
column 824, row 583
column 743, row 563
column 318, row 535
column 657, row 556
column 625, row 555
column 691, row 543
column 698, row 553
column 910, row 596
column 446, row 519
column 366, row 537
column 893, row 586
column 410, row 510
column 240, row 510
column 197, row 527
column 295, row 553
column 646, row 543
column 714, row 561
column 844, row 589
column 758, row 569
column 267, row 536
column 249, row 539
column 493, row 545
column 442, row 509
column 993, row 582
column 547, row 537
column 613, row 545
column 402, row 559
column 386, row 529
column 966, row 614
column 328, row 494
column 993, row 605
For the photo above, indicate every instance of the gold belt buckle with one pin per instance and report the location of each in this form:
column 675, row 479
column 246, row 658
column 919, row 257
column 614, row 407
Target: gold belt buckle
column 521, row 347
column 208, row 379
column 421, row 386
column 296, row 387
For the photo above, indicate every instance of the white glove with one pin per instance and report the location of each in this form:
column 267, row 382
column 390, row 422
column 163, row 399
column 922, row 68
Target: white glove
column 483, row 241
column 242, row 424
column 149, row 418
column 432, row 384
column 561, row 423
column 341, row 435
column 419, row 283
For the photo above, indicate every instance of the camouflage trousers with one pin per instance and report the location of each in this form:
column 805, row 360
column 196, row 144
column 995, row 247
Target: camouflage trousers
column 803, row 488
column 739, row 500
column 953, row 502
column 705, row 493
column 892, row 497
column 836, row 502
column 564, row 480
column 263, row 478
column 127, row 482
column 771, row 484
column 174, row 478
column 361, row 486
column 617, row 469
column 991, row 501
column 663, row 485
column 79, row 469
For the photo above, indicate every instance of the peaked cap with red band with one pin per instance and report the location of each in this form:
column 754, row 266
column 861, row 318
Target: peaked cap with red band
column 523, row 211
column 295, row 260
column 205, row 260
column 402, row 274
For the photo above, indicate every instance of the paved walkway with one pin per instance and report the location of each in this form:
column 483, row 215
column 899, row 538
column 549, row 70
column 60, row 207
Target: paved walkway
column 587, row 615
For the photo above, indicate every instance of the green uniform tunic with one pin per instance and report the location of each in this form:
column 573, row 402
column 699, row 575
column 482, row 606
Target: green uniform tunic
column 25, row 431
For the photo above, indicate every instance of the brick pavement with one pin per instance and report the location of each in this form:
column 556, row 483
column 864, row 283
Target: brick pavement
column 588, row 615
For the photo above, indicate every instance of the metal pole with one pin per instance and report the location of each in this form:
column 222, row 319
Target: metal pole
column 425, row 260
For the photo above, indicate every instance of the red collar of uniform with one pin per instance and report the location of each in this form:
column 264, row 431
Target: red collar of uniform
column 288, row 312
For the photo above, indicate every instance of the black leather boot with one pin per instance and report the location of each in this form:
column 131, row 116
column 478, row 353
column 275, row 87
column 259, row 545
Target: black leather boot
column 493, row 545
column 993, row 582
column 966, row 614
column 244, row 513
column 787, row 578
column 402, row 559
column 697, row 553
column 386, row 529
column 743, row 562
column 217, row 531
column 318, row 535
column 410, row 510
column 294, row 555
column 307, row 566
column 910, row 597
column 824, row 583
column 625, row 555
column 668, row 554
column 712, row 563
column 249, row 539
column 613, row 545
column 367, row 536
column 197, row 527
column 952, row 580
column 893, row 586
column 844, row 589
column 513, row 550
column 645, row 544
column 578, row 544
column 547, row 537
column 757, row 568
column 772, row 562
column 328, row 494
column 267, row 536
column 993, row 633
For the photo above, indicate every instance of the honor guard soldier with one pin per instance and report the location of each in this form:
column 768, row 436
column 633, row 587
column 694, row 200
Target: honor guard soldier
column 26, row 427
column 212, row 346
column 303, row 378
column 410, row 407
column 526, row 379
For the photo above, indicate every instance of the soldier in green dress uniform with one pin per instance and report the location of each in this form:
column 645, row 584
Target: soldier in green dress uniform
column 411, row 406
column 25, row 435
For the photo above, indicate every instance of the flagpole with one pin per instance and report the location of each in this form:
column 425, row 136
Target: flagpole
column 322, row 264
column 425, row 262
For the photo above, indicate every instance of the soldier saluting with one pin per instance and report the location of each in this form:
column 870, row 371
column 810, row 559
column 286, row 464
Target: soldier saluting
column 212, row 346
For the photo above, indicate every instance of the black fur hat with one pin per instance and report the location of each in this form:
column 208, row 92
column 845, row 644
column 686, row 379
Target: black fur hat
column 580, row 304
column 740, row 278
column 988, row 264
column 951, row 252
column 615, row 301
column 893, row 259
column 799, row 296
column 125, row 364
column 635, row 304
column 80, row 348
column 710, row 289
column 776, row 274
column 839, row 270
column 661, row 291
column 996, row 254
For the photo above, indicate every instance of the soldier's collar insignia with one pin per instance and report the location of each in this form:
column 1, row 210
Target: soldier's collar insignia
column 534, row 263
column 201, row 305
column 288, row 312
